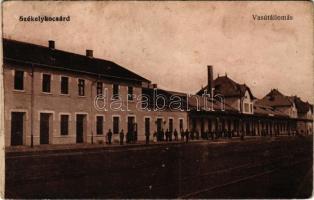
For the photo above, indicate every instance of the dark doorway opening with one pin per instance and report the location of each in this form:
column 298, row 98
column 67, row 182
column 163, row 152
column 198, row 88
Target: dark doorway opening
column 17, row 124
column 159, row 125
column 80, row 121
column 132, row 129
column 44, row 128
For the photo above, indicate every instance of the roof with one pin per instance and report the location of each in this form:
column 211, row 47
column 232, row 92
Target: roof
column 302, row 107
column 152, row 100
column 228, row 88
column 276, row 99
column 199, row 101
column 22, row 52
column 265, row 110
column 194, row 101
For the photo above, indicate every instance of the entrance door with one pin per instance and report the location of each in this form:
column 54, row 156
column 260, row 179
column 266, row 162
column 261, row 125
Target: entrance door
column 17, row 128
column 79, row 128
column 44, row 128
column 147, row 126
column 159, row 125
column 131, row 128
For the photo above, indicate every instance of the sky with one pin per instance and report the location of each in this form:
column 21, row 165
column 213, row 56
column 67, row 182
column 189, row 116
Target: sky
column 171, row 43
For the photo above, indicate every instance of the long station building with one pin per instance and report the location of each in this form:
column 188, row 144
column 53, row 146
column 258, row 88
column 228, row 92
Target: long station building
column 58, row 97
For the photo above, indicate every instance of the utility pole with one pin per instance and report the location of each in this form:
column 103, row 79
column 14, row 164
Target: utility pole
column 32, row 105
column 93, row 82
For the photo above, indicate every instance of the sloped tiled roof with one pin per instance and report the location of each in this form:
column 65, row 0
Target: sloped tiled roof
column 302, row 107
column 22, row 52
column 149, row 93
column 265, row 110
column 276, row 99
column 196, row 100
column 188, row 101
column 228, row 88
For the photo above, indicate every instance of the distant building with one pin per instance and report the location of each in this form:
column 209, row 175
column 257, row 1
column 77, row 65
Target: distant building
column 292, row 106
column 244, row 113
column 280, row 102
column 238, row 96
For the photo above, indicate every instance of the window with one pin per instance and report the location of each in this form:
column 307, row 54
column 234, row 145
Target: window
column 46, row 83
column 130, row 93
column 81, row 87
column 99, row 88
column 170, row 125
column 147, row 125
column 64, row 85
column 99, row 125
column 115, row 91
column 115, row 125
column 64, row 124
column 19, row 80
column 181, row 124
column 251, row 108
column 246, row 107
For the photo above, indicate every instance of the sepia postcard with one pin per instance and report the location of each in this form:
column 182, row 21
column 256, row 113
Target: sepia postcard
column 156, row 100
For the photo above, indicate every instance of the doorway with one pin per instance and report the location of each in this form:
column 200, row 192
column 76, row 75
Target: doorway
column 44, row 128
column 80, row 127
column 159, row 125
column 131, row 129
column 17, row 128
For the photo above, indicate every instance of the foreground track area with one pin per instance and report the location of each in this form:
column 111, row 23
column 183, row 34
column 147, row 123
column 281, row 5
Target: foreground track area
column 261, row 168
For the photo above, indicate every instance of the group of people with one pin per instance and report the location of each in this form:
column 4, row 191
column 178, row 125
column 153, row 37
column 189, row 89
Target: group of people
column 166, row 136
column 130, row 137
column 186, row 135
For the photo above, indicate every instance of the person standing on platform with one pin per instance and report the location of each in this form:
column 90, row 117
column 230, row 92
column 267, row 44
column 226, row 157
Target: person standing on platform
column 207, row 135
column 175, row 133
column 158, row 133
column 121, row 137
column 182, row 134
column 147, row 137
column 167, row 135
column 187, row 135
column 197, row 135
column 242, row 135
column 170, row 135
column 191, row 134
column 109, row 136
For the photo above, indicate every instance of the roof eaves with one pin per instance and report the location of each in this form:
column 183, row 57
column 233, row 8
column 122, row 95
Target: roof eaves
column 67, row 69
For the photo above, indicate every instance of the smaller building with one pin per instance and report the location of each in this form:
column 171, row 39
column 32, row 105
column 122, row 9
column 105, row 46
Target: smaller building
column 274, row 114
column 278, row 101
column 294, row 108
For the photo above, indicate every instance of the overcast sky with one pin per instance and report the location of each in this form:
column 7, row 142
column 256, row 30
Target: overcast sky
column 171, row 43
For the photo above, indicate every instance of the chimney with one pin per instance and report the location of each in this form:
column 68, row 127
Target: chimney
column 51, row 44
column 89, row 53
column 209, row 80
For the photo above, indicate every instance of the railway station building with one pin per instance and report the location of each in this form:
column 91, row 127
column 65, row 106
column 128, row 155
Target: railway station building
column 50, row 98
column 58, row 97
